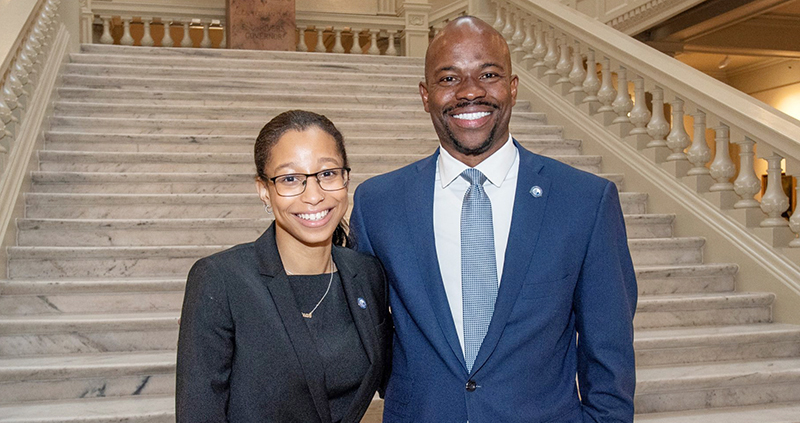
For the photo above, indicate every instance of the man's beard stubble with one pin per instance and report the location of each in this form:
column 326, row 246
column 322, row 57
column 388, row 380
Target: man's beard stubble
column 458, row 145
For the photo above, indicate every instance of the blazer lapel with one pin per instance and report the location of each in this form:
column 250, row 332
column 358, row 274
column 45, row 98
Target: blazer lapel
column 419, row 217
column 354, row 290
column 277, row 283
column 526, row 222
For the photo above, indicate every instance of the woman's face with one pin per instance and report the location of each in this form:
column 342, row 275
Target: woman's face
column 312, row 216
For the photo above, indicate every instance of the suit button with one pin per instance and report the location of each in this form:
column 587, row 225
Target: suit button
column 471, row 386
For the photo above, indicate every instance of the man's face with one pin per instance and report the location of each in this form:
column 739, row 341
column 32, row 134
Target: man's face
column 469, row 90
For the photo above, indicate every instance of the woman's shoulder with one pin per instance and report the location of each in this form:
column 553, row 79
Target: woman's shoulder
column 233, row 256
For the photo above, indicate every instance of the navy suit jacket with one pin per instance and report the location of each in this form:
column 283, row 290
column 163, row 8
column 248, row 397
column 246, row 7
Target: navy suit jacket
column 565, row 305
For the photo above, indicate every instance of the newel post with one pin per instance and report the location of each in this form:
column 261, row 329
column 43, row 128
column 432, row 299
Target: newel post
column 87, row 20
column 414, row 40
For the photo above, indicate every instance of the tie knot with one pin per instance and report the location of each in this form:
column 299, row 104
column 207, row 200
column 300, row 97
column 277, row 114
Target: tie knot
column 473, row 176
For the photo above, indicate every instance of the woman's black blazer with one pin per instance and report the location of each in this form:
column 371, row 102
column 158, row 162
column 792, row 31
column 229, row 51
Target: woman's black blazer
column 246, row 355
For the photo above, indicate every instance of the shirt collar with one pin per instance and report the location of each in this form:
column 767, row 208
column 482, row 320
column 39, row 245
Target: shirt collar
column 495, row 167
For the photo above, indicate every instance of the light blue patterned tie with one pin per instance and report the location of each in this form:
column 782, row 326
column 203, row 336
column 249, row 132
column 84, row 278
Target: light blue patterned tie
column 478, row 264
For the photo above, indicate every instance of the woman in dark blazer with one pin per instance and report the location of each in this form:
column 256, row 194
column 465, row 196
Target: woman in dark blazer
column 292, row 327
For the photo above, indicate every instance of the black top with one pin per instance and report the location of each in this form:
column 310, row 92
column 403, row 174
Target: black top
column 335, row 336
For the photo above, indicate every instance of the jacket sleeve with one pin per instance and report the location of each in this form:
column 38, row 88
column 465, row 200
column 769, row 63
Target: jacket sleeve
column 605, row 302
column 205, row 348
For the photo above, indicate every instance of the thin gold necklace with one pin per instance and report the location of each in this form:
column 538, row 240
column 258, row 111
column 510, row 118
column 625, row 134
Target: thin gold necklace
column 310, row 314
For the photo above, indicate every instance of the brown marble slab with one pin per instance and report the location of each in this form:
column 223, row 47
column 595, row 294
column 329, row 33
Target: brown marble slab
column 261, row 24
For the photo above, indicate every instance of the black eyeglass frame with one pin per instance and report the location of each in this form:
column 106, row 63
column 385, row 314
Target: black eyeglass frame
column 316, row 176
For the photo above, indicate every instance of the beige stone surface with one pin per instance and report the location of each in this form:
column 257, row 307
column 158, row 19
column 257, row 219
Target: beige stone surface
column 261, row 24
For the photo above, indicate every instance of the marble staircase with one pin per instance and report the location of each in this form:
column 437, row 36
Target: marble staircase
column 147, row 167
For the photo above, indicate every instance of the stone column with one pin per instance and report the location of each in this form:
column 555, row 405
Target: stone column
column 414, row 40
column 261, row 24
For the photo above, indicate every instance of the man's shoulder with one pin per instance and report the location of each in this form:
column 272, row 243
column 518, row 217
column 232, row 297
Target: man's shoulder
column 391, row 181
column 561, row 173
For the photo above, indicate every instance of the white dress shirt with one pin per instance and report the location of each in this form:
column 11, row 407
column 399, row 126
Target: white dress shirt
column 501, row 169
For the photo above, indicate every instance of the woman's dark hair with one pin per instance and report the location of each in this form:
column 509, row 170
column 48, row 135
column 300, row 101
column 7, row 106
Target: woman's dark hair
column 299, row 120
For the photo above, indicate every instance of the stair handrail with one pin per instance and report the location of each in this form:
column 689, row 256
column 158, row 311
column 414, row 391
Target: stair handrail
column 25, row 93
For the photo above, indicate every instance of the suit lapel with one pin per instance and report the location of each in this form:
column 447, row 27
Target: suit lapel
column 419, row 216
column 526, row 222
column 277, row 283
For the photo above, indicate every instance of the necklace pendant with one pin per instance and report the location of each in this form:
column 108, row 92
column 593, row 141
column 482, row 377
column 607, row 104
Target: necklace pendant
column 307, row 315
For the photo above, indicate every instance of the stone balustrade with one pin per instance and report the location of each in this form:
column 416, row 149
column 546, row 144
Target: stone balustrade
column 21, row 79
column 174, row 32
column 353, row 34
column 722, row 160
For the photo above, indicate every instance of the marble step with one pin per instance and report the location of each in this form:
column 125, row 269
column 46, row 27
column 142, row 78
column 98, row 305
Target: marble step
column 686, row 345
column 30, row 335
column 188, row 206
column 146, row 409
column 355, row 113
column 64, row 286
column 89, row 161
column 263, row 86
column 113, row 126
column 173, row 183
column 666, row 251
column 712, row 385
column 706, row 309
column 60, row 377
column 146, row 261
column 133, row 232
column 225, row 71
column 286, row 97
column 177, row 143
column 177, row 55
column 696, row 278
column 114, row 302
column 762, row 413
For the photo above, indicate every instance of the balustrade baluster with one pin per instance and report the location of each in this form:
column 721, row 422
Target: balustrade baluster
column 747, row 184
column 206, row 42
column 224, row 42
column 577, row 75
column 301, row 38
column 508, row 29
column 722, row 168
column 13, row 82
column 356, row 49
column 126, row 39
column 106, row 38
column 320, row 47
column 774, row 202
column 622, row 104
column 794, row 223
column 391, row 50
column 7, row 119
column 519, row 35
column 657, row 127
column 564, row 65
column 639, row 114
column 699, row 154
column 373, row 42
column 540, row 49
column 678, row 139
column 337, row 44
column 591, row 84
column 551, row 57
column 187, row 39
column 498, row 20
column 529, row 42
column 166, row 40
column 147, row 39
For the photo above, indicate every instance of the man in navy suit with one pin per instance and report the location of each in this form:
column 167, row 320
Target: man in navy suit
column 498, row 337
